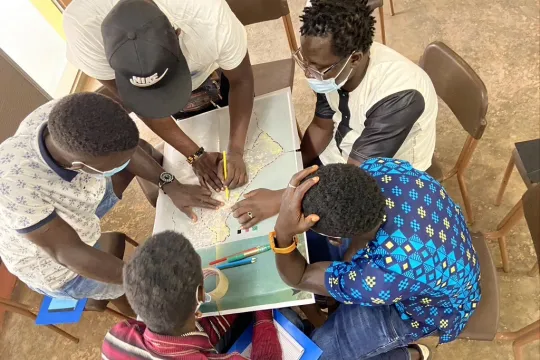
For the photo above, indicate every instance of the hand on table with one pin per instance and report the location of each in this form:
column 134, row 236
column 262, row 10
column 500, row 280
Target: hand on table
column 291, row 221
column 185, row 197
column 206, row 169
column 260, row 203
column 236, row 170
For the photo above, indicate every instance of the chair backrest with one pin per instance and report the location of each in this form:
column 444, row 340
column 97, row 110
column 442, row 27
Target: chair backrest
column 256, row 11
column 19, row 96
column 458, row 85
column 374, row 4
column 531, row 208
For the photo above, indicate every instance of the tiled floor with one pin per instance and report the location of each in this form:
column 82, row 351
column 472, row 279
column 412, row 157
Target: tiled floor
column 500, row 40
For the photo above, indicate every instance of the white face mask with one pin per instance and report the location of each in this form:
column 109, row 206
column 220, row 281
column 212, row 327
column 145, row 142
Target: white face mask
column 326, row 86
column 107, row 173
column 207, row 299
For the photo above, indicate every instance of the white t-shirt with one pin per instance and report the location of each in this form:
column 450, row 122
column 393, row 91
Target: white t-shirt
column 211, row 36
column 33, row 191
column 392, row 113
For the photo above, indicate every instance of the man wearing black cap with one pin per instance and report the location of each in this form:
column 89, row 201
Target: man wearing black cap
column 170, row 57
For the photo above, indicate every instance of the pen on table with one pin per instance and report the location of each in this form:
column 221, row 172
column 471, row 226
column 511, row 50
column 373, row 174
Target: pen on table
column 225, row 174
column 248, row 253
column 228, row 256
column 237, row 263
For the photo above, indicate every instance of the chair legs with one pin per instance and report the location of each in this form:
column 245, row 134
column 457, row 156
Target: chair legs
column 466, row 200
column 515, row 215
column 392, row 8
column 23, row 310
column 505, row 179
column 521, row 338
column 383, row 31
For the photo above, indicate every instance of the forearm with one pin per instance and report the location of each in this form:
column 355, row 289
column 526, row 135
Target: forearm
column 314, row 142
column 168, row 130
column 92, row 263
column 143, row 165
column 240, row 108
column 296, row 272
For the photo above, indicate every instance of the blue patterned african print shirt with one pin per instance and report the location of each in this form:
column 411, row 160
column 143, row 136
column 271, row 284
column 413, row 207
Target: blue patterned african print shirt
column 422, row 259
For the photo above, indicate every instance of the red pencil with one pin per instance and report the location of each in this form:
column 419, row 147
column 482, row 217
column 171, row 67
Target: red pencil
column 225, row 258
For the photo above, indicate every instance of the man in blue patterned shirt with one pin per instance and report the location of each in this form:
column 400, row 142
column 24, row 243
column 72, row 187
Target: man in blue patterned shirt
column 410, row 268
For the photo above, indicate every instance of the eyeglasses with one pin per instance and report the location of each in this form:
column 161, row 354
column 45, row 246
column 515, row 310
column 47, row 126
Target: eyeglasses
column 319, row 75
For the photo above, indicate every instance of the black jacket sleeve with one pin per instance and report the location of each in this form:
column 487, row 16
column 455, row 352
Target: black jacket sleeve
column 322, row 108
column 387, row 125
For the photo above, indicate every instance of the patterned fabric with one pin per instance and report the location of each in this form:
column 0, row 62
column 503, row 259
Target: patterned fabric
column 422, row 259
column 34, row 190
column 132, row 340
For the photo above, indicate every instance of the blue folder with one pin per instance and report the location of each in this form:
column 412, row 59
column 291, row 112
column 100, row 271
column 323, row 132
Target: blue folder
column 60, row 311
column 311, row 351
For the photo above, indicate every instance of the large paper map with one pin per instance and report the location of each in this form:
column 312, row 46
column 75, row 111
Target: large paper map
column 271, row 157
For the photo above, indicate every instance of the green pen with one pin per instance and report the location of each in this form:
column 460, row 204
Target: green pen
column 258, row 250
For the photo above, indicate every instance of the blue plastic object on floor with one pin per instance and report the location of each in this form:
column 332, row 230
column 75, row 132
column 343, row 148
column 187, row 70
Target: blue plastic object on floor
column 60, row 311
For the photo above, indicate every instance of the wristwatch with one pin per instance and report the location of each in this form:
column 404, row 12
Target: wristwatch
column 289, row 249
column 192, row 158
column 164, row 179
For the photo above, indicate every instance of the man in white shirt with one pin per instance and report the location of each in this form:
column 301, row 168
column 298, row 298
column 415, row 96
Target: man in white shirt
column 371, row 100
column 67, row 165
column 153, row 54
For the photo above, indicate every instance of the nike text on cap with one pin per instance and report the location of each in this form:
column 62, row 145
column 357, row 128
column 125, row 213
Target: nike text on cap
column 152, row 75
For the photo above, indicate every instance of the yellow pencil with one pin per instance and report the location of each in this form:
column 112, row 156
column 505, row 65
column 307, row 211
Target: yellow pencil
column 225, row 174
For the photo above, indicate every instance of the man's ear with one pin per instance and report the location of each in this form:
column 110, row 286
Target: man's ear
column 356, row 58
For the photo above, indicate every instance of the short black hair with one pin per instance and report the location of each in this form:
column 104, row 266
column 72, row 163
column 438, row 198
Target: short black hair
column 161, row 281
column 349, row 22
column 92, row 124
column 347, row 199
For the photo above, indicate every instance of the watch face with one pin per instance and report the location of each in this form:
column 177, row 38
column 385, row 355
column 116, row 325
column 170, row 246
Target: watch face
column 166, row 177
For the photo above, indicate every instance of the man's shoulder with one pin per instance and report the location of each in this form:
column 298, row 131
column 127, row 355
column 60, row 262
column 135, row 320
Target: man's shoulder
column 81, row 9
column 123, row 339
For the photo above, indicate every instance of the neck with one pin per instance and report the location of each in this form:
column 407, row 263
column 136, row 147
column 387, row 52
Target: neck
column 358, row 74
column 55, row 152
column 187, row 327
column 359, row 242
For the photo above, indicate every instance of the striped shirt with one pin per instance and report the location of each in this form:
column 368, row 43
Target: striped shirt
column 132, row 340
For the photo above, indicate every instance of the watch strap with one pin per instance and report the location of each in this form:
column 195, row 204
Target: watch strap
column 192, row 158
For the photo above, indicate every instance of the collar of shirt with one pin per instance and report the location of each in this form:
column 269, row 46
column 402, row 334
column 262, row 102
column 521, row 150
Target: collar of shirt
column 166, row 345
column 67, row 175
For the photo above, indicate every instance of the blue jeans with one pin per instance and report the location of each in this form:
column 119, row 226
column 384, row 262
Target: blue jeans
column 355, row 332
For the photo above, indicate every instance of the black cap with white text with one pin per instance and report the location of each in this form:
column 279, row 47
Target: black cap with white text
column 141, row 45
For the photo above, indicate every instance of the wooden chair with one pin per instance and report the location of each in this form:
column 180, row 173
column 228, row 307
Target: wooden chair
column 513, row 217
column 392, row 8
column 458, row 85
column 374, row 4
column 526, row 159
column 483, row 323
column 28, row 311
column 530, row 203
column 275, row 75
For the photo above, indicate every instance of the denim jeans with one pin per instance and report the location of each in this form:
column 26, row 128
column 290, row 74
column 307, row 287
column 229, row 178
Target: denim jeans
column 355, row 332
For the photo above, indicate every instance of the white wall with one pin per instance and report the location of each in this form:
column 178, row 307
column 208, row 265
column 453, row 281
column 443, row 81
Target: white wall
column 32, row 43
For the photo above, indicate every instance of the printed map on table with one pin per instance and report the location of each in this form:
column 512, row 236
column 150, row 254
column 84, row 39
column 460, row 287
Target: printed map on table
column 271, row 159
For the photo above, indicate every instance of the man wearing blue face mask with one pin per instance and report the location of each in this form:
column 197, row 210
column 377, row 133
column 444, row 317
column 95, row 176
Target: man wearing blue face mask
column 371, row 100
column 64, row 169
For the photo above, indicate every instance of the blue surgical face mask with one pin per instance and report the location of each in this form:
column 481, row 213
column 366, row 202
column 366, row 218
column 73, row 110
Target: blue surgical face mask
column 107, row 173
column 326, row 86
column 207, row 299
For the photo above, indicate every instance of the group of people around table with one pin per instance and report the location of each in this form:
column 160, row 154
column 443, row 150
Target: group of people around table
column 386, row 241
